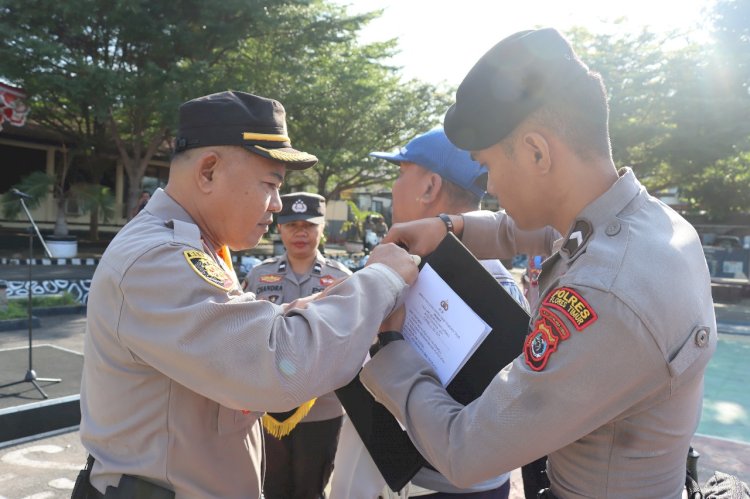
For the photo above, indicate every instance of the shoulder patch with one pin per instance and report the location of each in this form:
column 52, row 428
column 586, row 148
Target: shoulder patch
column 540, row 343
column 270, row 278
column 570, row 303
column 560, row 328
column 208, row 269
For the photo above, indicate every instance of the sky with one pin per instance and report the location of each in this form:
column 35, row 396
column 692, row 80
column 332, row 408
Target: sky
column 441, row 40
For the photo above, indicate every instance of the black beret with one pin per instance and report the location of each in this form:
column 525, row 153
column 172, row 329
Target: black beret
column 507, row 84
column 239, row 119
column 302, row 206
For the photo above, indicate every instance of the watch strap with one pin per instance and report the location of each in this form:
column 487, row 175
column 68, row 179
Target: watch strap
column 448, row 222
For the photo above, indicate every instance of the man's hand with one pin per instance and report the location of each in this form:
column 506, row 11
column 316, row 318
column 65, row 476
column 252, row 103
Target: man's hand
column 421, row 237
column 397, row 259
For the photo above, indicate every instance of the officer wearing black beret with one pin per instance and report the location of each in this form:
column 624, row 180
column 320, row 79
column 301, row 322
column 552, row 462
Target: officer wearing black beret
column 609, row 384
column 180, row 363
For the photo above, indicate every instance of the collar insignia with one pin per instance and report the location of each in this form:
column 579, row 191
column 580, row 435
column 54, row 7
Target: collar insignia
column 577, row 238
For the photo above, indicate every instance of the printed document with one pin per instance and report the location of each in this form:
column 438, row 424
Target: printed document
column 440, row 325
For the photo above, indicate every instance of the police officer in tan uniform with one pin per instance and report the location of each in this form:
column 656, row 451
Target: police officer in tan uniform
column 610, row 381
column 180, row 363
column 301, row 443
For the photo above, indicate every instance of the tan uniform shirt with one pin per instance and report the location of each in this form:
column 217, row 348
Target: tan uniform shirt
column 275, row 281
column 180, row 363
column 611, row 379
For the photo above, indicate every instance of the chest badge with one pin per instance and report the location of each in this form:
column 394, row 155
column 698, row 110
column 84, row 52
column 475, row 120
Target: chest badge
column 270, row 278
column 208, row 269
column 327, row 280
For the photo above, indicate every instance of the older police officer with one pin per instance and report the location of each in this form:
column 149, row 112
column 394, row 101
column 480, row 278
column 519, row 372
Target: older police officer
column 300, row 444
column 610, row 381
column 179, row 362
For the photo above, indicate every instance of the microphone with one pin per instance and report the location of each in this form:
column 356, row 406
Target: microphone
column 21, row 194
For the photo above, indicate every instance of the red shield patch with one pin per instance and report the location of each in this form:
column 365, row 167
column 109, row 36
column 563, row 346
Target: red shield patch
column 539, row 345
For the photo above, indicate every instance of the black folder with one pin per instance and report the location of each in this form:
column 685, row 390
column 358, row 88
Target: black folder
column 390, row 447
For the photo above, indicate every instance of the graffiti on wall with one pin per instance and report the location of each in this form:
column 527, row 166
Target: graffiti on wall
column 79, row 288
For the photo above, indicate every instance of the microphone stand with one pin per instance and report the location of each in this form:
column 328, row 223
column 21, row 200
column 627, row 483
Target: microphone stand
column 31, row 376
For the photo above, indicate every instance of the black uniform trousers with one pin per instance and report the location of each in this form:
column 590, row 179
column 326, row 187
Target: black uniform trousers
column 299, row 465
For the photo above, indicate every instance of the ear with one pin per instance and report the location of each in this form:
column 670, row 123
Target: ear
column 537, row 150
column 432, row 185
column 205, row 170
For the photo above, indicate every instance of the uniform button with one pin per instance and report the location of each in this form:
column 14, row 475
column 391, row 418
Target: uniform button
column 701, row 337
column 612, row 229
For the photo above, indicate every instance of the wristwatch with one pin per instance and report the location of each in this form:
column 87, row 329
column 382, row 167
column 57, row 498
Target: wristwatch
column 448, row 222
column 384, row 338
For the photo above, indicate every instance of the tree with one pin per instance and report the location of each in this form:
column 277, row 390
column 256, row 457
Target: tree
column 342, row 100
column 722, row 188
column 634, row 68
column 119, row 68
column 677, row 112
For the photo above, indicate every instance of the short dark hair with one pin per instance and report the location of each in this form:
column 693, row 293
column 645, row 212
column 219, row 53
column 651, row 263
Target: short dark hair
column 579, row 115
column 464, row 198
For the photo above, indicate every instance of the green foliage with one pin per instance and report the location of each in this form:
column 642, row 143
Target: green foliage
column 17, row 307
column 678, row 114
column 354, row 227
column 38, row 185
column 110, row 74
column 342, row 100
column 723, row 188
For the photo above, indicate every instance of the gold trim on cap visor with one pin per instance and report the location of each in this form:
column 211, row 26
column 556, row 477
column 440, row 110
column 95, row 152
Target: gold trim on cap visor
column 287, row 156
column 267, row 137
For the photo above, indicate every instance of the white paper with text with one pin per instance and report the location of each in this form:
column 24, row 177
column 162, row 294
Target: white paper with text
column 440, row 325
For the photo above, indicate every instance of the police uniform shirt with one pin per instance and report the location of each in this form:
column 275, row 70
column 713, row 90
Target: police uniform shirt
column 180, row 363
column 274, row 280
column 610, row 382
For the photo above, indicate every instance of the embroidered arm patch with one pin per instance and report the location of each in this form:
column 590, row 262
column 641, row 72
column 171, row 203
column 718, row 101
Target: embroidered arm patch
column 570, row 303
column 208, row 269
column 539, row 345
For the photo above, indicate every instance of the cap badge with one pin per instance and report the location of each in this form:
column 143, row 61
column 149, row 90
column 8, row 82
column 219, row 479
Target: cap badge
column 299, row 206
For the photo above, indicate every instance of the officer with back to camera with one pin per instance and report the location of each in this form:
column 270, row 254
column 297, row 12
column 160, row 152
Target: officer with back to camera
column 180, row 364
column 610, row 381
column 301, row 443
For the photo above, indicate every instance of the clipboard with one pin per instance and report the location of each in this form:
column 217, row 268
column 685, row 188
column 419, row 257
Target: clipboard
column 396, row 457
